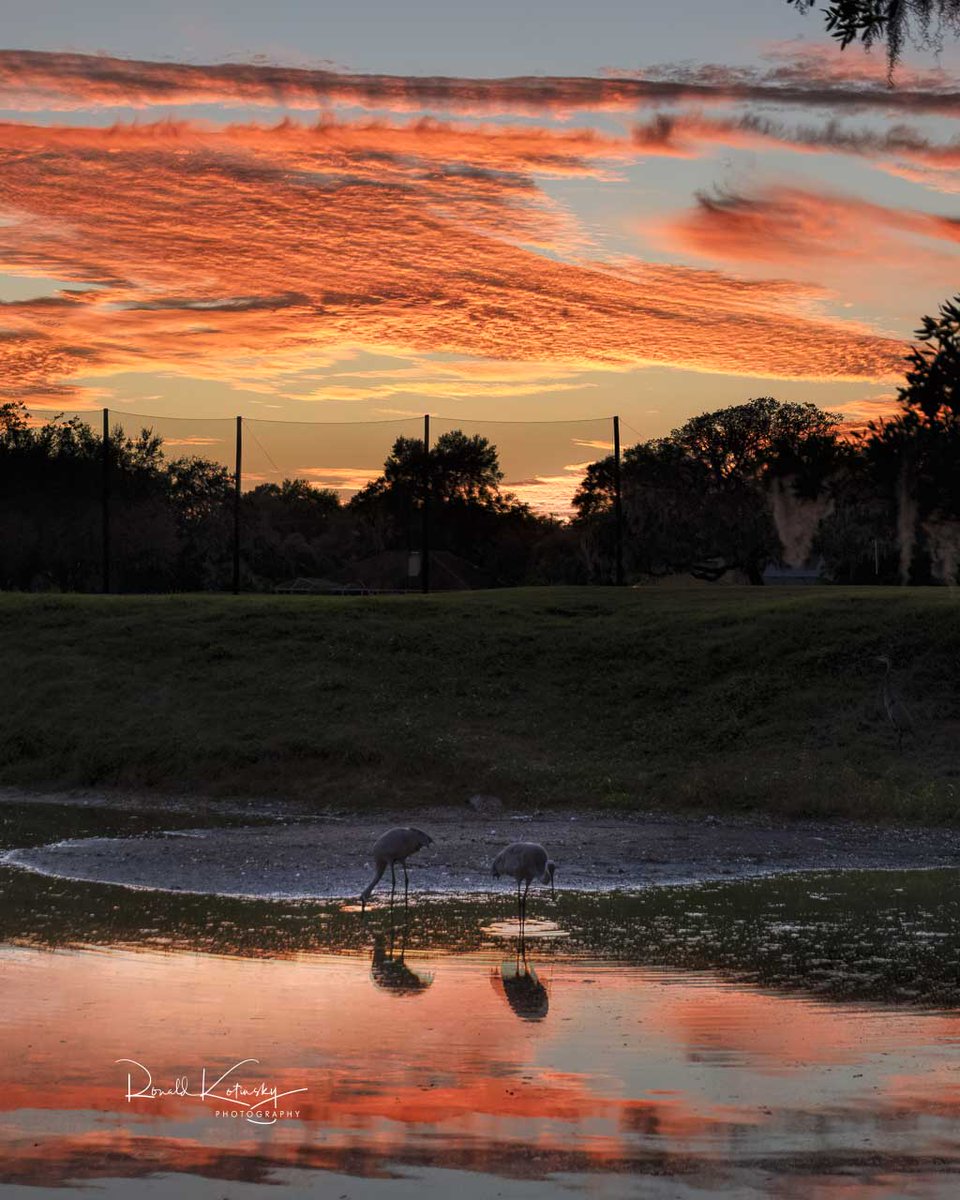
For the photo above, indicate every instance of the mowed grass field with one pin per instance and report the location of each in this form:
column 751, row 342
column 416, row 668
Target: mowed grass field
column 718, row 698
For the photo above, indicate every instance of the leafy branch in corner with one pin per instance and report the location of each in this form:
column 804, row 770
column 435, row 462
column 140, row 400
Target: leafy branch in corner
column 890, row 21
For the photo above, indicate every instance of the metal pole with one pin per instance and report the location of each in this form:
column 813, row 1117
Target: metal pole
column 105, row 501
column 425, row 532
column 617, row 501
column 236, row 508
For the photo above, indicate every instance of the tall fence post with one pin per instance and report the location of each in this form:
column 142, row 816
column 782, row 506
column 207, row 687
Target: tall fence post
column 105, row 501
column 617, row 501
column 425, row 531
column 236, row 507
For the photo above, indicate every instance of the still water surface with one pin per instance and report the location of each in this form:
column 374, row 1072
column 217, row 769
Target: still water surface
column 788, row 1037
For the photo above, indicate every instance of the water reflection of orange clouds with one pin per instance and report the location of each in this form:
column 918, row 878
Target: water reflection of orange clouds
column 457, row 1060
column 751, row 1026
column 601, row 1083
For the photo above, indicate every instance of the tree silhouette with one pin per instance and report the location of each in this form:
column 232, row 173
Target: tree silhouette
column 889, row 21
column 293, row 529
column 457, row 468
column 932, row 388
column 171, row 520
column 697, row 500
column 913, row 458
column 469, row 514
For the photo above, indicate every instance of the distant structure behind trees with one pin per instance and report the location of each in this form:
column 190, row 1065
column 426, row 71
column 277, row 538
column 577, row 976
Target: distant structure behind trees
column 757, row 489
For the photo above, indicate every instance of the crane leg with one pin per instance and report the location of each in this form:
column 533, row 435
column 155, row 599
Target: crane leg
column 406, row 881
column 525, row 890
column 393, row 880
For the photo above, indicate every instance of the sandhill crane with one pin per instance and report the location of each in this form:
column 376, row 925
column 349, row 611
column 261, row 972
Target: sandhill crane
column 897, row 712
column 525, row 861
column 394, row 846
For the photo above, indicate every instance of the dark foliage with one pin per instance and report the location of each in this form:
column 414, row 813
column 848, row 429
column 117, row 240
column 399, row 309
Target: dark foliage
column 469, row 514
column 171, row 520
column 892, row 22
column 697, row 500
column 726, row 494
column 731, row 490
column 168, row 518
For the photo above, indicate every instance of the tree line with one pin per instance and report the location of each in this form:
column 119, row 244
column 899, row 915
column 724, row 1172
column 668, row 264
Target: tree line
column 171, row 520
column 734, row 490
column 724, row 495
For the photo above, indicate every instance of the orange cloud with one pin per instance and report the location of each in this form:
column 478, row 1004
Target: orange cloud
column 353, row 144
column 858, row 414
column 451, row 380
column 551, row 494
column 247, row 257
column 897, row 151
column 341, row 479
column 38, row 80
column 783, row 224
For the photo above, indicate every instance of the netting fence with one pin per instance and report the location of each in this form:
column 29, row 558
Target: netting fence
column 117, row 501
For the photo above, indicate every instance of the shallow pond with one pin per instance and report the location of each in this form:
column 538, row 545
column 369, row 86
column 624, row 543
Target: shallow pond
column 797, row 1036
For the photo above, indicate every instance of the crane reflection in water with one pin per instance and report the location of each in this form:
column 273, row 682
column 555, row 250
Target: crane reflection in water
column 388, row 968
column 517, row 980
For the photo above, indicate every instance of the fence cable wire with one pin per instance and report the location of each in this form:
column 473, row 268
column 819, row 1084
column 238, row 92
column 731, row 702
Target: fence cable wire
column 247, row 425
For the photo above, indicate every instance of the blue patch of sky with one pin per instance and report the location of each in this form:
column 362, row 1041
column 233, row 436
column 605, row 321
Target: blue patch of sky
column 499, row 37
column 15, row 287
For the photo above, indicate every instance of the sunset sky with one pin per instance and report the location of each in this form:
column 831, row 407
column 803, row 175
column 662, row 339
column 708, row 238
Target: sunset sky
column 368, row 211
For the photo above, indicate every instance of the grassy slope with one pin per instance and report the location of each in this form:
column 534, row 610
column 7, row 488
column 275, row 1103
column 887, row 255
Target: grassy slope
column 722, row 697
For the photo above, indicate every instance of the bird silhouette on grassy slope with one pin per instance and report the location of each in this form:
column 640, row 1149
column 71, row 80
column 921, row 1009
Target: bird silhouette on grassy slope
column 897, row 712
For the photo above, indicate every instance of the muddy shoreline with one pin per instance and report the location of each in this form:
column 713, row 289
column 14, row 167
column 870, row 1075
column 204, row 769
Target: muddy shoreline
column 300, row 856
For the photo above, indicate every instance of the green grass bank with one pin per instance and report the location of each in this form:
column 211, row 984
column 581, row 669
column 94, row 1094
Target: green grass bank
column 722, row 698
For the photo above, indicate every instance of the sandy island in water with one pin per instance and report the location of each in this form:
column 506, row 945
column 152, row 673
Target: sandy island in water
column 301, row 856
